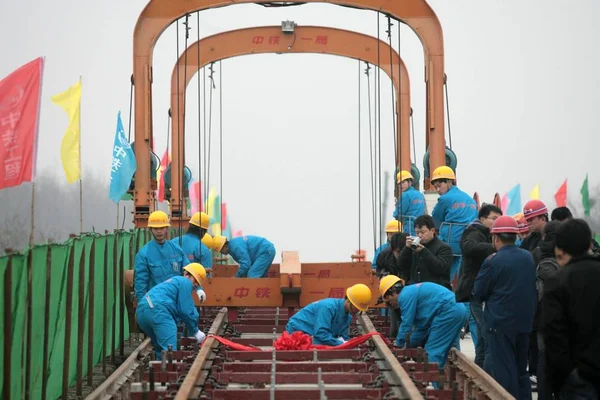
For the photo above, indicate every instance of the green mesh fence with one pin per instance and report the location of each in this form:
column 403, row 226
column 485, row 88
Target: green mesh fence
column 62, row 305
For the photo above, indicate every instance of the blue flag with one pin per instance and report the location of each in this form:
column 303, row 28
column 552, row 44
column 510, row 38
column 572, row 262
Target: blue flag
column 123, row 164
column 514, row 200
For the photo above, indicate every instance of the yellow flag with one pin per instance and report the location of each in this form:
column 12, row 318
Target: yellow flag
column 535, row 193
column 70, row 101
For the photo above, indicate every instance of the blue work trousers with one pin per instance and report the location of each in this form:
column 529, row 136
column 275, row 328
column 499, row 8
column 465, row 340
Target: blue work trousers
column 159, row 326
column 477, row 315
column 260, row 266
column 506, row 361
column 445, row 332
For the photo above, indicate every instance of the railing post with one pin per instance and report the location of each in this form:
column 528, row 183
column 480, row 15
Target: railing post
column 7, row 329
column 69, row 308
column 91, row 298
column 80, row 320
column 47, row 321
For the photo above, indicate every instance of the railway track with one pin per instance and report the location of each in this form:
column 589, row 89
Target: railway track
column 374, row 370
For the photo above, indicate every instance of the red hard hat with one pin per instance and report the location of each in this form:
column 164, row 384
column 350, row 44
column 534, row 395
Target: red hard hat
column 534, row 208
column 505, row 224
column 523, row 225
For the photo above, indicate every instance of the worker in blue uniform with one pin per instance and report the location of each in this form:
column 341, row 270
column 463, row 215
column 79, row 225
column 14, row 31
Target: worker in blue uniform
column 391, row 228
column 411, row 203
column 506, row 283
column 168, row 302
column 159, row 259
column 454, row 211
column 328, row 320
column 194, row 241
column 429, row 312
column 254, row 254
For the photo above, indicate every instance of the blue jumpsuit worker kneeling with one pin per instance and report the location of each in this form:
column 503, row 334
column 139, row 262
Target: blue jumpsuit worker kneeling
column 506, row 283
column 167, row 302
column 159, row 259
column 254, row 254
column 328, row 320
column 429, row 312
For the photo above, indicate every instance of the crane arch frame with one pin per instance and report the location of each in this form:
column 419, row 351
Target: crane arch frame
column 159, row 14
column 271, row 39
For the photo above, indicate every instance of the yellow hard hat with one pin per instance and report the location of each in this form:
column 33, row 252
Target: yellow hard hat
column 387, row 282
column 197, row 271
column 443, row 172
column 207, row 240
column 200, row 219
column 518, row 216
column 218, row 243
column 393, row 226
column 158, row 219
column 404, row 175
column 359, row 295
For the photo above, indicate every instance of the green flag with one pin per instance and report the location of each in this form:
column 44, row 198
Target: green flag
column 585, row 197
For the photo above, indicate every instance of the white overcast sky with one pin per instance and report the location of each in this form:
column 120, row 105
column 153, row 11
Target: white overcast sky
column 524, row 99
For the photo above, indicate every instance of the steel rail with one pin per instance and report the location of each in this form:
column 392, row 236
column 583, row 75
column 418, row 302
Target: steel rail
column 121, row 375
column 396, row 374
column 476, row 383
column 195, row 377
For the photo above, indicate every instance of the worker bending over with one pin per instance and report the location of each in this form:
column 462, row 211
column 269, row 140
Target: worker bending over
column 411, row 202
column 195, row 242
column 168, row 302
column 159, row 259
column 328, row 320
column 454, row 211
column 506, row 283
column 428, row 312
column 254, row 254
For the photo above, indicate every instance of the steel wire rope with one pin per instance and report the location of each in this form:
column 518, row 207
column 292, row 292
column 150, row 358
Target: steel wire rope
column 371, row 152
column 178, row 112
column 221, row 138
column 200, row 158
column 448, row 110
column 396, row 115
column 210, row 97
column 359, row 164
column 379, row 125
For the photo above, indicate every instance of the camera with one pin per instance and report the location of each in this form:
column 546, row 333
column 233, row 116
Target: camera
column 415, row 242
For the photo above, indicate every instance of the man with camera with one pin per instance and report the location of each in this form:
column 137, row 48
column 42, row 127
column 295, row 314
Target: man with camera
column 425, row 258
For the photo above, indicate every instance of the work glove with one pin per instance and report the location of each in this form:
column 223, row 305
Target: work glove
column 201, row 295
column 200, row 336
column 341, row 339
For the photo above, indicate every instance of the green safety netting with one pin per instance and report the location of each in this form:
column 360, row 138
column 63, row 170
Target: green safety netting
column 53, row 262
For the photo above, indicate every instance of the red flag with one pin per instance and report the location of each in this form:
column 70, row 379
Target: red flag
column 561, row 195
column 19, row 110
column 223, row 216
column 164, row 163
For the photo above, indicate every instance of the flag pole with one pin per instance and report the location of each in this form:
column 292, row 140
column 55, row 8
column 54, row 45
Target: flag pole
column 80, row 172
column 118, row 215
column 33, row 172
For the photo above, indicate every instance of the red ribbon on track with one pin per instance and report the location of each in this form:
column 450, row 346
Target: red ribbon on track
column 299, row 341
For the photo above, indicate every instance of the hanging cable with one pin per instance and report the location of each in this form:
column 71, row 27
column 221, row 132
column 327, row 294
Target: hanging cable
column 182, row 155
column 210, row 97
column 130, row 108
column 371, row 152
column 359, row 126
column 393, row 88
column 221, row 134
column 399, row 161
column 412, row 127
column 200, row 158
column 204, row 134
column 448, row 110
column 379, row 126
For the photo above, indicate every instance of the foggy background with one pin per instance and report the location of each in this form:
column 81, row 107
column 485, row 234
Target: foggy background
column 523, row 94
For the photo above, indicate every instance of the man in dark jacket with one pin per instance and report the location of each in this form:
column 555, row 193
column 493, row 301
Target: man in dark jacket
column 506, row 283
column 476, row 246
column 547, row 267
column 570, row 323
column 426, row 261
